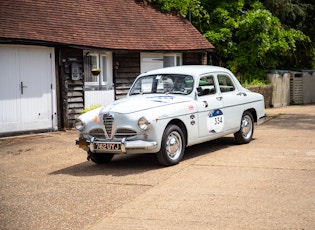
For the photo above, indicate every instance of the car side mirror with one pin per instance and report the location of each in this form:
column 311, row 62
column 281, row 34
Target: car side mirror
column 199, row 91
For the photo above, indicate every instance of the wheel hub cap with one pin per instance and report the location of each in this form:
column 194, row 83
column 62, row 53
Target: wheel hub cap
column 246, row 127
column 173, row 145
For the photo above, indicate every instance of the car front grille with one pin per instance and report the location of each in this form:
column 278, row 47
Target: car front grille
column 108, row 121
column 98, row 133
column 121, row 133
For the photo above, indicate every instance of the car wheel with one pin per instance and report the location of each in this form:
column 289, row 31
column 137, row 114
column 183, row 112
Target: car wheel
column 172, row 146
column 245, row 134
column 100, row 158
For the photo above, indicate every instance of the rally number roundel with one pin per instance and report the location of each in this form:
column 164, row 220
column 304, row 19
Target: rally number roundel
column 215, row 121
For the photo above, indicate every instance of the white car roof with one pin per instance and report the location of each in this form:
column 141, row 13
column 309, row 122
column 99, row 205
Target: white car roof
column 194, row 70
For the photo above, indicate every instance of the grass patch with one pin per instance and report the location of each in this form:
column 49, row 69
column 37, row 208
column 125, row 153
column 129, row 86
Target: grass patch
column 87, row 109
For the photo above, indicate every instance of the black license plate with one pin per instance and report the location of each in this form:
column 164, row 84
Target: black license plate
column 108, row 146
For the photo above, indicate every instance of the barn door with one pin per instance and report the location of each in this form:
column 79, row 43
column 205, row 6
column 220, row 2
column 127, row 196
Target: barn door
column 25, row 89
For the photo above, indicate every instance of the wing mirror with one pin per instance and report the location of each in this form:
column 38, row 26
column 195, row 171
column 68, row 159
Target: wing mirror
column 199, row 91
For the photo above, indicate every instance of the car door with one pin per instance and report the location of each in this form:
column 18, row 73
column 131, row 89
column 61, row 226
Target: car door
column 209, row 103
column 233, row 101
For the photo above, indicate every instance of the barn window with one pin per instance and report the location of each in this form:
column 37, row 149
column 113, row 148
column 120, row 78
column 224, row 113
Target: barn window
column 102, row 61
column 171, row 60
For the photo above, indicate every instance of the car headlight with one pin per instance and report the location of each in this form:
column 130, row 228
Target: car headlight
column 79, row 125
column 143, row 124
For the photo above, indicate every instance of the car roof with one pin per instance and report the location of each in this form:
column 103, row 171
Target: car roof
column 194, row 70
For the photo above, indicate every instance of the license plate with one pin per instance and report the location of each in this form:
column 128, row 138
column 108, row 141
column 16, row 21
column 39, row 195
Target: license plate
column 108, row 146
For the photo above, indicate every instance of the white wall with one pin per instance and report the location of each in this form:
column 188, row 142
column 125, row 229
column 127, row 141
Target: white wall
column 98, row 97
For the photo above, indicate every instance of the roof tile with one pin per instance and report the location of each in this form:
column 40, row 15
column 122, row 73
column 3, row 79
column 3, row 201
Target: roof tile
column 108, row 24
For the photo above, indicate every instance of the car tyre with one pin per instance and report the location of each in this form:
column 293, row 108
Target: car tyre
column 245, row 134
column 172, row 146
column 100, row 158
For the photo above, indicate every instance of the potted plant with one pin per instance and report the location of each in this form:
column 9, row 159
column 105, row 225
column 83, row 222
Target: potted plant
column 95, row 71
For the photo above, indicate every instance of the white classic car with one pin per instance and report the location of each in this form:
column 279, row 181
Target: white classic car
column 167, row 110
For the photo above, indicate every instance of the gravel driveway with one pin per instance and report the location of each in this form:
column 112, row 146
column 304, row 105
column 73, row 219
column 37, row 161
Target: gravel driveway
column 46, row 182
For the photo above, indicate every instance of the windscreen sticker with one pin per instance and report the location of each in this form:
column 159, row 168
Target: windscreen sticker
column 215, row 121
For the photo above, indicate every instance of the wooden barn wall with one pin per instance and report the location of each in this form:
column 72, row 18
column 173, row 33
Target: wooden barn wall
column 126, row 69
column 192, row 58
column 71, row 90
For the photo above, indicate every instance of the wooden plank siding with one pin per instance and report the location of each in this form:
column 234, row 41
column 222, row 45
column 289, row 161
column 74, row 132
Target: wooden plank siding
column 192, row 58
column 71, row 93
column 126, row 69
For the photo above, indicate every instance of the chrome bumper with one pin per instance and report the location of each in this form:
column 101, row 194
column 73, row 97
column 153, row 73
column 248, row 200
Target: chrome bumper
column 124, row 144
column 261, row 120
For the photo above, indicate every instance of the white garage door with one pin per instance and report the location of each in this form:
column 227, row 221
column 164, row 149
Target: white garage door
column 27, row 89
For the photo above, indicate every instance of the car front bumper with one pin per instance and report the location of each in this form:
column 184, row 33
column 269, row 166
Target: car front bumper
column 123, row 146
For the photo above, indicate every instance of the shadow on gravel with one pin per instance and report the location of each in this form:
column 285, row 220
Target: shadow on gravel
column 292, row 122
column 122, row 165
column 209, row 147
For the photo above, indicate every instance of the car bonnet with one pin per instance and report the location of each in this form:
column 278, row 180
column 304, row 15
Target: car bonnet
column 143, row 102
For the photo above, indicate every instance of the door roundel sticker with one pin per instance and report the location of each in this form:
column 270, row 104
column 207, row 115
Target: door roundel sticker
column 215, row 121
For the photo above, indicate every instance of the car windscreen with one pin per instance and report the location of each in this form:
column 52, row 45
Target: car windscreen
column 163, row 83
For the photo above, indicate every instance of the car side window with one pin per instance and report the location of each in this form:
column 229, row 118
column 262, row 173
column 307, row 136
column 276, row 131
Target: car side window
column 225, row 83
column 206, row 86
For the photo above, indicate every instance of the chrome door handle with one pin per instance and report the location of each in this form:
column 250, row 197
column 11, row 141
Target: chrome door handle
column 22, row 87
column 241, row 93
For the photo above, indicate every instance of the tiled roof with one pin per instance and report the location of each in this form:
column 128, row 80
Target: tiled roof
column 108, row 24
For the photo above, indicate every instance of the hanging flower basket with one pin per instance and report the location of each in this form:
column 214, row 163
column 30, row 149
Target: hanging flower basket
column 95, row 71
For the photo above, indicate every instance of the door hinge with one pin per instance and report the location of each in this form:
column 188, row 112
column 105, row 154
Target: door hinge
column 52, row 116
column 50, row 55
column 51, row 86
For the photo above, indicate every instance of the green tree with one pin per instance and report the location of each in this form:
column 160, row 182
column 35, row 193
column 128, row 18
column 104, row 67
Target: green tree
column 300, row 15
column 247, row 37
column 308, row 24
column 290, row 12
column 190, row 9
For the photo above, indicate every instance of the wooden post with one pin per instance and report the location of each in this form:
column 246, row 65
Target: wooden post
column 204, row 58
